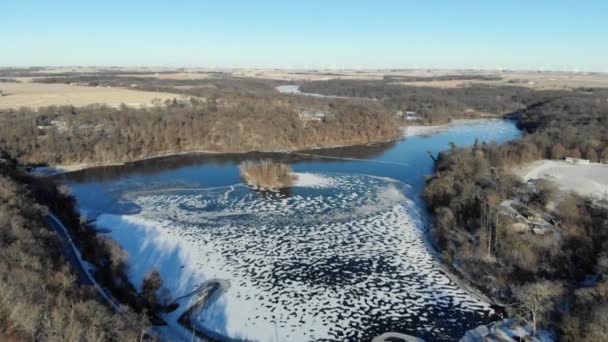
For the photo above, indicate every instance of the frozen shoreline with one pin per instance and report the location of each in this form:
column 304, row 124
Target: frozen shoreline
column 426, row 130
column 51, row 170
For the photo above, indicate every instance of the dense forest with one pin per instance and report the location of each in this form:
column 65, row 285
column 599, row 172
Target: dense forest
column 467, row 195
column 40, row 296
column 60, row 135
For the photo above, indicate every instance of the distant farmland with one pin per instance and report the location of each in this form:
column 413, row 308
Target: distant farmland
column 38, row 95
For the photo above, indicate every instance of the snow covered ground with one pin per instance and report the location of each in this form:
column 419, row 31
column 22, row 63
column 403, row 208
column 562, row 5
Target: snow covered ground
column 342, row 256
column 424, row 130
column 295, row 90
column 305, row 179
column 289, row 89
column 588, row 180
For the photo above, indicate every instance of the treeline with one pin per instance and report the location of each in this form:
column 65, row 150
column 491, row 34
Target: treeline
column 40, row 297
column 521, row 268
column 442, row 78
column 44, row 72
column 581, row 107
column 61, row 135
column 440, row 104
column 8, row 80
column 218, row 85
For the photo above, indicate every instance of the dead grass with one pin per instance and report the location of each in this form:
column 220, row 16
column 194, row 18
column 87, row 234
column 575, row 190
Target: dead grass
column 37, row 95
column 267, row 174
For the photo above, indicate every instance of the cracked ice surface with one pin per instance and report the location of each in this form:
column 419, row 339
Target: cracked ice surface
column 343, row 260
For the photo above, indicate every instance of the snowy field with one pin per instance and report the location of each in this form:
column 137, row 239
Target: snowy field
column 295, row 90
column 587, row 180
column 342, row 257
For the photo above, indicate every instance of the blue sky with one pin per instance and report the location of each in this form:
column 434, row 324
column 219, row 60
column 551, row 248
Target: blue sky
column 555, row 35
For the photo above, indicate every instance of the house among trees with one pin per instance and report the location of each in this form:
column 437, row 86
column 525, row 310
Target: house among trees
column 309, row 115
column 577, row 161
column 407, row 115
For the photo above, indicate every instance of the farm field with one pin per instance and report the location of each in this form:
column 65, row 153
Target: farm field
column 37, row 95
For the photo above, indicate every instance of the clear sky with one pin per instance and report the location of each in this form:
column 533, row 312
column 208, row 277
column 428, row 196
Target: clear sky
column 533, row 34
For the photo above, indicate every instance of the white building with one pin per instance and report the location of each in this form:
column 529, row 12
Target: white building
column 407, row 115
column 577, row 161
column 308, row 115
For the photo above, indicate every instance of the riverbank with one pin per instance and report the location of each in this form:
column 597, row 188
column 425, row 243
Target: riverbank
column 407, row 132
column 50, row 170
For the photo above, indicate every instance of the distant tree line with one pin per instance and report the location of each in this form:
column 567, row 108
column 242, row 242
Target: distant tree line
column 44, row 72
column 442, row 78
column 440, row 104
column 8, row 80
column 217, row 85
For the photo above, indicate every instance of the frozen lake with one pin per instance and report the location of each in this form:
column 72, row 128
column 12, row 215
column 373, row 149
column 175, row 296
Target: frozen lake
column 342, row 255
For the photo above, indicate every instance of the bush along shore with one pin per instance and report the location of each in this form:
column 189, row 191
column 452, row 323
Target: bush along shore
column 41, row 295
column 541, row 252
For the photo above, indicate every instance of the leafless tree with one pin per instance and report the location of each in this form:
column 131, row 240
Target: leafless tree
column 535, row 299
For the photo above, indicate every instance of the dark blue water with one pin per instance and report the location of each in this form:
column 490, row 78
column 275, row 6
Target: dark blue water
column 181, row 183
column 406, row 160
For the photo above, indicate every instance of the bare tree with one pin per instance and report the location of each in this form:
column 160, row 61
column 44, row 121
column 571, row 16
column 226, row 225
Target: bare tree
column 535, row 299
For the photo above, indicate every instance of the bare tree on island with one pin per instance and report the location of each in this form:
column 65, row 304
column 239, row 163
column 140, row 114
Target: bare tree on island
column 267, row 174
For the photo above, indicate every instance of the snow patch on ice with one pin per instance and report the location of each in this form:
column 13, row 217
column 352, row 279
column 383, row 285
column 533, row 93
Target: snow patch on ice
column 313, row 265
column 305, row 179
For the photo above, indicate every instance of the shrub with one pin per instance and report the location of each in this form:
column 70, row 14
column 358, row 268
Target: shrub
column 267, row 174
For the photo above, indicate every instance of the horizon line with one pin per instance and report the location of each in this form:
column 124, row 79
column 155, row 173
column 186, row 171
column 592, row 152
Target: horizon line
column 324, row 68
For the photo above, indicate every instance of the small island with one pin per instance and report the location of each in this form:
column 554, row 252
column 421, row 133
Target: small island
column 267, row 174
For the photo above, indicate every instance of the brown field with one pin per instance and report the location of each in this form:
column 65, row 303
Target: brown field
column 532, row 79
column 535, row 80
column 287, row 75
column 174, row 76
column 38, row 95
column 325, row 74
